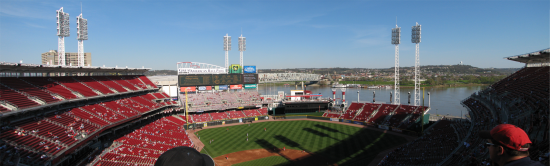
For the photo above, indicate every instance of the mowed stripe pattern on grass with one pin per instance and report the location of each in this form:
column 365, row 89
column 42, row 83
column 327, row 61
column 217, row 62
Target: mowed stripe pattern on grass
column 340, row 143
column 268, row 161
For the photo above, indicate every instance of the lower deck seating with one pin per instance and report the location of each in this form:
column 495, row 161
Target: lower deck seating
column 143, row 146
column 383, row 112
column 236, row 114
column 219, row 115
column 252, row 112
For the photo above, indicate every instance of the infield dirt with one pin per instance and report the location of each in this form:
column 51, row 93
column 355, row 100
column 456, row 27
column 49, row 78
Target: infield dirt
column 296, row 156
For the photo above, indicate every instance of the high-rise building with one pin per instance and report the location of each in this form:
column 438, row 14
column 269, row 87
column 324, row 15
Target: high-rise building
column 71, row 58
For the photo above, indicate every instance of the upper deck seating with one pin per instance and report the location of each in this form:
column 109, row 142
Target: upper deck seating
column 50, row 86
column 75, row 85
column 16, row 98
column 146, row 81
column 23, row 86
column 95, row 85
column 123, row 82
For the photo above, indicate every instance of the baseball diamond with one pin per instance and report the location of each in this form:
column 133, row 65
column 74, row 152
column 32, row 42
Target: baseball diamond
column 337, row 143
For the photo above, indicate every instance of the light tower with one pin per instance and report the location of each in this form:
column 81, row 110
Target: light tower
column 242, row 48
column 63, row 30
column 227, row 48
column 416, row 39
column 395, row 40
column 81, row 35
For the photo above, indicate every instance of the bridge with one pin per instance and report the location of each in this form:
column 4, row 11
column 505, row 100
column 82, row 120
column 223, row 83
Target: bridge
column 282, row 77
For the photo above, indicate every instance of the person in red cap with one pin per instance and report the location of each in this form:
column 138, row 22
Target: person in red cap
column 508, row 146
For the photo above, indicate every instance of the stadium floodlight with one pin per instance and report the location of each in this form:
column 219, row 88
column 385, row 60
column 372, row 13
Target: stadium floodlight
column 415, row 38
column 81, row 35
column 396, row 39
column 242, row 48
column 63, row 30
column 227, row 48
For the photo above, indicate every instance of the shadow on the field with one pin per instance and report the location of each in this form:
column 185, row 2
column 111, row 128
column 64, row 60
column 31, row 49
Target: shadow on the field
column 270, row 147
column 288, row 142
column 357, row 149
column 329, row 129
column 312, row 131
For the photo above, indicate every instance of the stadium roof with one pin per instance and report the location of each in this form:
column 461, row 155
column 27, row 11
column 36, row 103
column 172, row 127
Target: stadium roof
column 541, row 56
column 6, row 67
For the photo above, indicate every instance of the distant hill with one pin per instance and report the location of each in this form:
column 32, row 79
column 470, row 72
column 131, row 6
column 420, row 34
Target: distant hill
column 161, row 72
column 447, row 69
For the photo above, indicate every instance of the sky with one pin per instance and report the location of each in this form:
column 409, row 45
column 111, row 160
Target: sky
column 280, row 33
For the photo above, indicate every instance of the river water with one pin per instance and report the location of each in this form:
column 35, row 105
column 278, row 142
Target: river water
column 443, row 100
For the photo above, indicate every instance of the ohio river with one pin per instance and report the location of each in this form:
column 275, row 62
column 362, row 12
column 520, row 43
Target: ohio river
column 443, row 101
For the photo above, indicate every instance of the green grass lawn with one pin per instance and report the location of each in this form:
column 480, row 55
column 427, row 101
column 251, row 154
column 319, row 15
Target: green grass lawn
column 273, row 160
column 309, row 114
column 340, row 143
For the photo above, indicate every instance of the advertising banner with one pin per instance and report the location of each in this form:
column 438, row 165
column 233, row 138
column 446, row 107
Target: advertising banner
column 223, row 122
column 250, row 86
column 359, row 123
column 202, row 87
column 250, row 78
column 238, row 86
column 208, row 87
column 235, row 68
column 334, row 119
column 205, row 125
column 281, row 94
column 189, row 89
column 209, row 79
column 249, row 69
column 200, row 71
column 223, row 87
column 256, row 119
column 240, row 120
column 347, row 121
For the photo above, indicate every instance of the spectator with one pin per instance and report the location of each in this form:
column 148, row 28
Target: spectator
column 184, row 156
column 508, row 146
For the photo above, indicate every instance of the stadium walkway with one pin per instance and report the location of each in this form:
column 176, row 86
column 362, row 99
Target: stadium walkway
column 199, row 145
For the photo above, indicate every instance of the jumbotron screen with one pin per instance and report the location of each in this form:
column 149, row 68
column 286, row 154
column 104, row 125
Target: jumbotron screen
column 217, row 79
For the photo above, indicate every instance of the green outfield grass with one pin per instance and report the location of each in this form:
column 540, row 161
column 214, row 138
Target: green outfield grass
column 309, row 114
column 273, row 160
column 340, row 143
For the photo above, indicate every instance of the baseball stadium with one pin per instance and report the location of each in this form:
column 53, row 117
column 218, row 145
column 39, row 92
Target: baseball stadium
column 63, row 114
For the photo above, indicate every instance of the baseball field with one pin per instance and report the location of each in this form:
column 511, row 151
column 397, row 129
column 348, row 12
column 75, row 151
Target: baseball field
column 295, row 142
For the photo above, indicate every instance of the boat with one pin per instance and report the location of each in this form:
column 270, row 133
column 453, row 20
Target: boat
column 339, row 85
column 373, row 87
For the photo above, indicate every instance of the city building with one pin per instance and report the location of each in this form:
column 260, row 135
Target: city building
column 71, row 58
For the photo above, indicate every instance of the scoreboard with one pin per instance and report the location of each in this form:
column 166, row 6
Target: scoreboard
column 217, row 79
